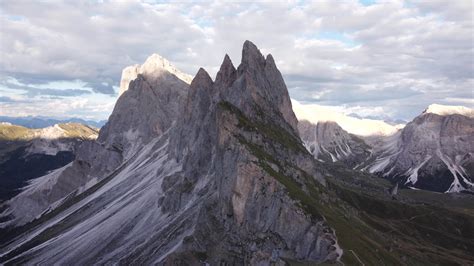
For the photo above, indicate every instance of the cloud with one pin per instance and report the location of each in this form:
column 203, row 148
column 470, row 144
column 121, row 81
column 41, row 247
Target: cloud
column 5, row 99
column 395, row 57
column 31, row 91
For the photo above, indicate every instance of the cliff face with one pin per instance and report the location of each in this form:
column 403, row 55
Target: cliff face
column 223, row 178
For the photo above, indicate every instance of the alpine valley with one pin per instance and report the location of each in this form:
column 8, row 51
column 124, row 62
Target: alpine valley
column 201, row 171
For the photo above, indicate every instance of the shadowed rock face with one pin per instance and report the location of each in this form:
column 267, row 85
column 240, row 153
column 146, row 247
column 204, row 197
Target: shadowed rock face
column 217, row 184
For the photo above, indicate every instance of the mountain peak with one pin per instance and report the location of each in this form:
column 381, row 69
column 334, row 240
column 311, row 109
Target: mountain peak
column 202, row 79
column 270, row 60
column 251, row 55
column 440, row 109
column 154, row 66
column 226, row 74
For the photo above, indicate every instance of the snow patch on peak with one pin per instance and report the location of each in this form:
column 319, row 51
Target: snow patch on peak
column 153, row 65
column 363, row 127
column 449, row 110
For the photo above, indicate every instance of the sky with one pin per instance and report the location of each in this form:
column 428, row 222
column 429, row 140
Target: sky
column 378, row 59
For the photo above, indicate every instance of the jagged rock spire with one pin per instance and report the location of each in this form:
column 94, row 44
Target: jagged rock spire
column 251, row 55
column 202, row 79
column 227, row 72
column 261, row 84
column 199, row 94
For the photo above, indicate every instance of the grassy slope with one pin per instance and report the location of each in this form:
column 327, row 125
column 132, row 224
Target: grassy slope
column 371, row 228
column 76, row 130
column 72, row 130
column 13, row 132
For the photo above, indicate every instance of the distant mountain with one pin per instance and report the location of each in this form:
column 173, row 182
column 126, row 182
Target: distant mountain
column 435, row 151
column 42, row 122
column 328, row 142
column 29, row 153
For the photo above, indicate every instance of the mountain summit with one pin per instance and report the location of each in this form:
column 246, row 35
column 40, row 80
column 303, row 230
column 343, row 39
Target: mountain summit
column 154, row 66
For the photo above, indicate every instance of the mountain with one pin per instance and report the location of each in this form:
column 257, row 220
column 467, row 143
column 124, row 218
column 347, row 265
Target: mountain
column 208, row 179
column 435, row 151
column 432, row 152
column 42, row 122
column 328, row 142
column 29, row 153
column 223, row 179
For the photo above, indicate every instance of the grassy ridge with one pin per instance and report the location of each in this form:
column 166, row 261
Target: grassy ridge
column 70, row 130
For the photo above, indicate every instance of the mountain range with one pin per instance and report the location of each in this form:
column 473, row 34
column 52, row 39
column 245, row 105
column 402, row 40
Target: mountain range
column 27, row 153
column 42, row 122
column 214, row 172
column 433, row 152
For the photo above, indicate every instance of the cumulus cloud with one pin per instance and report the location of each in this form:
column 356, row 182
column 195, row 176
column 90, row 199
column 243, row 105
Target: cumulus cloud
column 31, row 91
column 391, row 57
column 6, row 99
